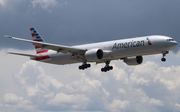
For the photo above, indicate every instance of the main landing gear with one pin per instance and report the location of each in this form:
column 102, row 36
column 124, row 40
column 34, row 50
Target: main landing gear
column 84, row 66
column 107, row 67
column 164, row 54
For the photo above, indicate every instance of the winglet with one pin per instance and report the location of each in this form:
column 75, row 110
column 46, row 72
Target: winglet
column 7, row 36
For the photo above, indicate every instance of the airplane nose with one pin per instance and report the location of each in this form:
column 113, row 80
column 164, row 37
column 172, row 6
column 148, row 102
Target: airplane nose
column 174, row 44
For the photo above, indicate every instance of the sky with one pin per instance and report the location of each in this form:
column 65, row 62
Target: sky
column 27, row 85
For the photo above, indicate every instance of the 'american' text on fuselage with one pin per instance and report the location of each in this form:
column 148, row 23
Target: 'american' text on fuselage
column 128, row 44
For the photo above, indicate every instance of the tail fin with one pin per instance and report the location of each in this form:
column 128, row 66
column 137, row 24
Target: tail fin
column 38, row 38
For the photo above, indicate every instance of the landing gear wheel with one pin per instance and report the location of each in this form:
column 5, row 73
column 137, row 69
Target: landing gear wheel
column 88, row 65
column 102, row 69
column 84, row 66
column 80, row 67
column 164, row 54
column 107, row 67
column 111, row 67
column 163, row 59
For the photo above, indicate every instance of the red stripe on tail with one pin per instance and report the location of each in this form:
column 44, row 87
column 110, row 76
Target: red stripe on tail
column 32, row 34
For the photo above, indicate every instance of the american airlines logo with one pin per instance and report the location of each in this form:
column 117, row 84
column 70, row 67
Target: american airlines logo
column 149, row 42
column 128, row 44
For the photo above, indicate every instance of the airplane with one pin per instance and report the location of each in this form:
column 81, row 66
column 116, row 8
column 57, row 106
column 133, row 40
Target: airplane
column 130, row 50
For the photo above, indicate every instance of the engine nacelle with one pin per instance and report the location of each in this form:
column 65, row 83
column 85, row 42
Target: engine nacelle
column 94, row 55
column 134, row 61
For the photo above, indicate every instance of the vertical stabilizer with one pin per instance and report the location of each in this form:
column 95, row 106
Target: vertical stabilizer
column 38, row 38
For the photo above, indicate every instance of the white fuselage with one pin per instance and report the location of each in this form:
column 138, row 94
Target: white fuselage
column 118, row 49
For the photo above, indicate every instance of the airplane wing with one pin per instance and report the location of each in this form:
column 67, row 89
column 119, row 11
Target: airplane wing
column 55, row 47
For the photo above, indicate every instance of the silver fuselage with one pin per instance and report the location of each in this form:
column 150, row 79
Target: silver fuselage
column 119, row 49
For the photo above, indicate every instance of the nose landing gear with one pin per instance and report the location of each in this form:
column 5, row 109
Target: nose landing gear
column 164, row 54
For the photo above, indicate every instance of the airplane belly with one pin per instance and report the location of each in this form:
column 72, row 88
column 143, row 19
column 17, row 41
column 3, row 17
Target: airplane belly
column 62, row 59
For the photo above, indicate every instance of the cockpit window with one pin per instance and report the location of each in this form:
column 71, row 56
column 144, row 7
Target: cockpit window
column 170, row 39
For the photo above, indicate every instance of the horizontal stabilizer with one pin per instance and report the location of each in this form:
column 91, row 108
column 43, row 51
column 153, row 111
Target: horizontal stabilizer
column 7, row 36
column 55, row 47
column 22, row 54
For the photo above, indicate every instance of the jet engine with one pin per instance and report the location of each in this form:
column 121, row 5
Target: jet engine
column 134, row 61
column 93, row 55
